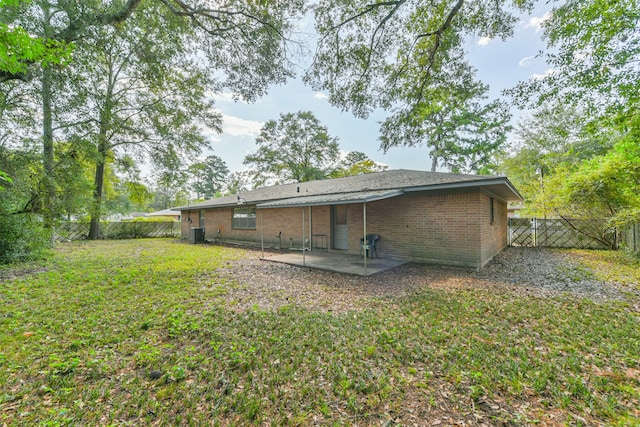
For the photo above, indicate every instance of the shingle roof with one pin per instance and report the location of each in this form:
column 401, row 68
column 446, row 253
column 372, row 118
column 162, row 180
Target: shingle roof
column 401, row 180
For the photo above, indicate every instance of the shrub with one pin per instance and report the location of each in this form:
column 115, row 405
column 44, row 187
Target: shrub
column 22, row 238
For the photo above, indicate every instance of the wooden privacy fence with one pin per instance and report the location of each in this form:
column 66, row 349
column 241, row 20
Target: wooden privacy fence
column 562, row 233
column 630, row 237
column 119, row 230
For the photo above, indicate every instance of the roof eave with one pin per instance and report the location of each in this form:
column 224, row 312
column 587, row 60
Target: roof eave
column 469, row 184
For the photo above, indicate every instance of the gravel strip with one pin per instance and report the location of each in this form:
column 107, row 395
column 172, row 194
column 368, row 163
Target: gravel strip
column 527, row 271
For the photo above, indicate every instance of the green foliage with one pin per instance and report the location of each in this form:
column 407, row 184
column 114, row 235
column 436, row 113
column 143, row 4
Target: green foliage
column 154, row 306
column 208, row 176
column 19, row 50
column 356, row 163
column 138, row 85
column 238, row 182
column 392, row 54
column 573, row 169
column 462, row 131
column 295, row 148
column 593, row 46
column 22, row 237
column 4, row 177
column 605, row 186
column 593, row 49
column 550, row 139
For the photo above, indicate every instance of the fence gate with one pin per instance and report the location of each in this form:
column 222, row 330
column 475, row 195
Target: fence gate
column 561, row 233
column 521, row 232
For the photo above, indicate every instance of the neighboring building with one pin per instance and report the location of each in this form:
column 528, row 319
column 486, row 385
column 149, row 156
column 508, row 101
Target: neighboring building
column 170, row 214
column 514, row 208
column 420, row 216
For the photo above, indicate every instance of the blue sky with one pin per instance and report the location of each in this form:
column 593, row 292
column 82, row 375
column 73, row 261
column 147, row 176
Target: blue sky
column 500, row 65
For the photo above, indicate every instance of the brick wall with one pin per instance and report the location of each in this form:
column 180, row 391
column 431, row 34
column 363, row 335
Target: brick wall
column 436, row 228
column 188, row 219
column 452, row 228
column 269, row 222
column 494, row 234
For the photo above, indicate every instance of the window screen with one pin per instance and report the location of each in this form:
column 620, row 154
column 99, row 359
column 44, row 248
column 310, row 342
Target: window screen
column 244, row 217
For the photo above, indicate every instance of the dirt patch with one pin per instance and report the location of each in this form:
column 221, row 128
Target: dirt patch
column 9, row 274
column 527, row 271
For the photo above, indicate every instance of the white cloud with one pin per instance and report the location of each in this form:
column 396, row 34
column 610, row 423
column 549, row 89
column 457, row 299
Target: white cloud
column 320, row 95
column 484, row 41
column 526, row 61
column 225, row 97
column 536, row 21
column 546, row 74
column 233, row 126
column 236, row 126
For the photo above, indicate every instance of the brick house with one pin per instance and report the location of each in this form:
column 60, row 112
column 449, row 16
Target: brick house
column 420, row 216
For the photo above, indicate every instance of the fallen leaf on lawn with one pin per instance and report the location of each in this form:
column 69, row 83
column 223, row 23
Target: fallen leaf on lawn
column 632, row 373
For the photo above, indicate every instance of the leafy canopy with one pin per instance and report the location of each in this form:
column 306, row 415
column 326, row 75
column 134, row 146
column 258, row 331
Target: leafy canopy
column 294, row 148
column 389, row 53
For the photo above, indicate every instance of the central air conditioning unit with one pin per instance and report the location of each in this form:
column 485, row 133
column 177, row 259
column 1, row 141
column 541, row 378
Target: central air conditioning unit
column 197, row 235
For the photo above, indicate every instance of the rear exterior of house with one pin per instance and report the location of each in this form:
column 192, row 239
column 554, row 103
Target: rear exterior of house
column 455, row 220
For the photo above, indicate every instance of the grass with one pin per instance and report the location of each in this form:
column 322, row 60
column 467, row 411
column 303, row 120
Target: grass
column 139, row 332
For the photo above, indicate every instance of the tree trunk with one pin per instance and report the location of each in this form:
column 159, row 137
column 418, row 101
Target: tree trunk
column 48, row 180
column 98, row 183
column 96, row 212
column 103, row 152
column 435, row 154
column 47, row 148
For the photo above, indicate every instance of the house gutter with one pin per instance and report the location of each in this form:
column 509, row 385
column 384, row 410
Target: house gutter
column 467, row 184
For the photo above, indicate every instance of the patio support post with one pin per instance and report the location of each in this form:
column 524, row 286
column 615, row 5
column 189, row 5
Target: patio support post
column 310, row 229
column 304, row 259
column 262, row 230
column 364, row 242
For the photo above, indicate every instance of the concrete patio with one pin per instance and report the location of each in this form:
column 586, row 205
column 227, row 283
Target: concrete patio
column 336, row 261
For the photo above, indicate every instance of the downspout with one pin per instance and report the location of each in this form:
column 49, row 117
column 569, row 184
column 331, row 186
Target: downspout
column 364, row 249
column 304, row 259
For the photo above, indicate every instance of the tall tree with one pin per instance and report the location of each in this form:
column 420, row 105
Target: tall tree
column 463, row 132
column 551, row 139
column 238, row 182
column 139, row 93
column 208, row 176
column 356, row 163
column 593, row 47
column 244, row 44
column 295, row 148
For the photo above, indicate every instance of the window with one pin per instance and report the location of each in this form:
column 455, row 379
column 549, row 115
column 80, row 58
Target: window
column 491, row 217
column 244, row 218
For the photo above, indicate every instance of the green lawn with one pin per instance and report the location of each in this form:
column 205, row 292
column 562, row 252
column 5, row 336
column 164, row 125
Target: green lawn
column 139, row 333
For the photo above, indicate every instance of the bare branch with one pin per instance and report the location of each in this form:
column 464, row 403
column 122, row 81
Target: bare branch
column 371, row 7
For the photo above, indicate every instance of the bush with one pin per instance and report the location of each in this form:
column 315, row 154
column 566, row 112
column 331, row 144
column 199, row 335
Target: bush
column 22, row 238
